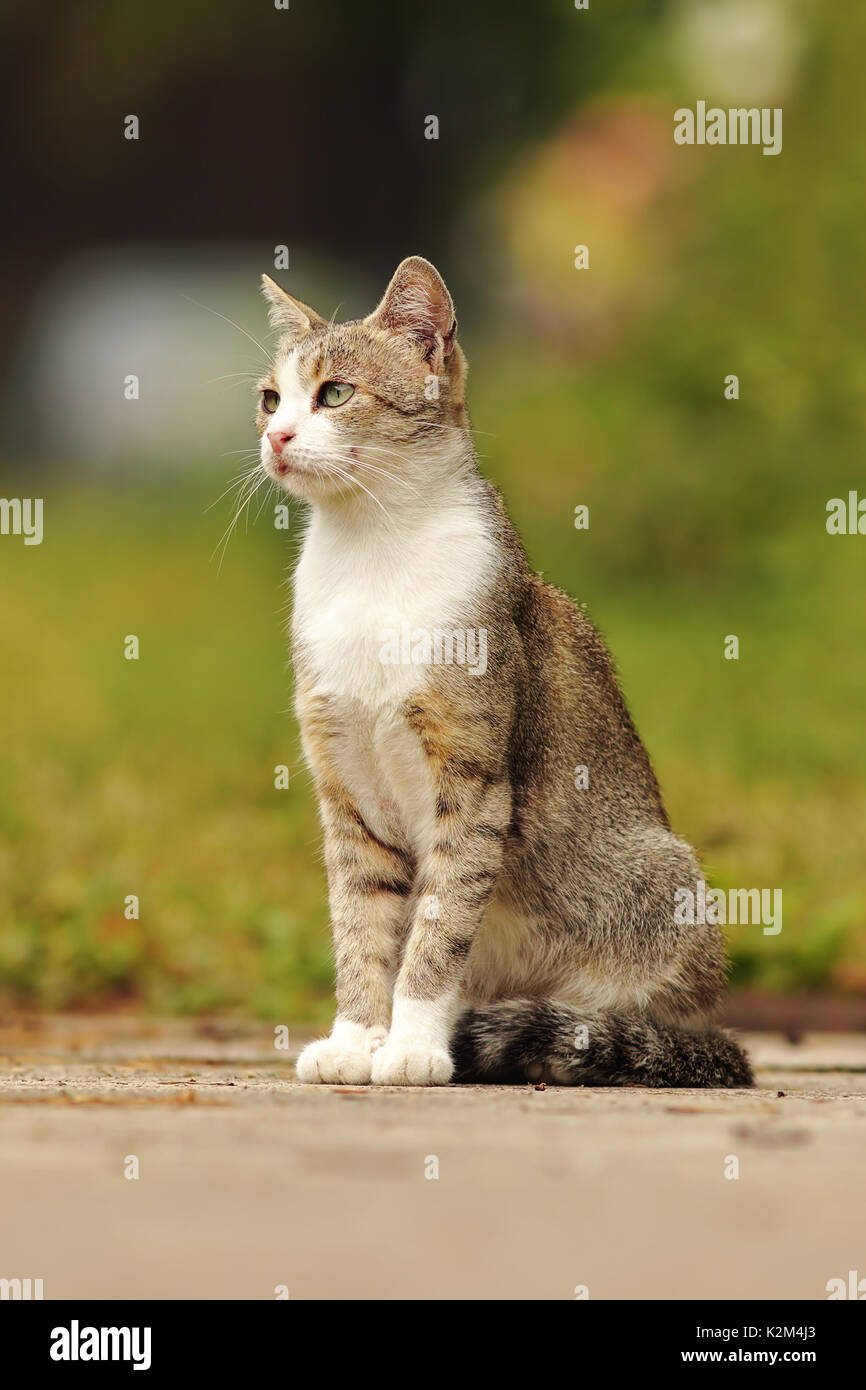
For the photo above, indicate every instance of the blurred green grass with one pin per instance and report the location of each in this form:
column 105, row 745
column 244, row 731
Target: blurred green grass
column 156, row 777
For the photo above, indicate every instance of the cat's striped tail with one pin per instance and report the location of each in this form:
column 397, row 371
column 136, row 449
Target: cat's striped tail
column 520, row 1040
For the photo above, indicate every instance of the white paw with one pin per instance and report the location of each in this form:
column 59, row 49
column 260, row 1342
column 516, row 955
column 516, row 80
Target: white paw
column 411, row 1064
column 340, row 1059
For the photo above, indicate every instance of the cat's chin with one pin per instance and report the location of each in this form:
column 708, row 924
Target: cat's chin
column 301, row 481
column 297, row 485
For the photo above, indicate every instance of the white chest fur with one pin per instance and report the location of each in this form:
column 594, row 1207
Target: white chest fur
column 354, row 589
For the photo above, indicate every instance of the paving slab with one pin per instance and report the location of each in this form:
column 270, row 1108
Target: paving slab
column 249, row 1182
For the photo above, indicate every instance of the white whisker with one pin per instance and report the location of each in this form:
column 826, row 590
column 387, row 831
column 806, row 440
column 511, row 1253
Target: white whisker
column 243, row 503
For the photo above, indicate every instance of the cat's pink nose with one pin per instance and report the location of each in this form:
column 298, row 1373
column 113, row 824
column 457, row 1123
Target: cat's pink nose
column 279, row 439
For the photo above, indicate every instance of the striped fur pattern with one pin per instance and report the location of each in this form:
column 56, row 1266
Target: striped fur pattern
column 541, row 1040
column 492, row 920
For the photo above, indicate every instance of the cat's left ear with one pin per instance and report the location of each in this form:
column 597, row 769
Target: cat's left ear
column 417, row 303
column 287, row 314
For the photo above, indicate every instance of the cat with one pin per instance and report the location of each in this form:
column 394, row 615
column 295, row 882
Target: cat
column 492, row 921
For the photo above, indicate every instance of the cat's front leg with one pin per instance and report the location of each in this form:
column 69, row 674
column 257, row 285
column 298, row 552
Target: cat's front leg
column 457, row 881
column 344, row 1058
column 369, row 885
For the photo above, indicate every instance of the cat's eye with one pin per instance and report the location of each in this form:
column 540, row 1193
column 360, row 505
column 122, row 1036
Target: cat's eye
column 270, row 401
column 335, row 393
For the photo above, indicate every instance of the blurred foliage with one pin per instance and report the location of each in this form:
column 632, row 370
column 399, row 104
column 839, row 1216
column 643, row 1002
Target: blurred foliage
column 153, row 777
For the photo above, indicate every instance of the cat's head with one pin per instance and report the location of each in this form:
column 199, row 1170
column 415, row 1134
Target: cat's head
column 368, row 406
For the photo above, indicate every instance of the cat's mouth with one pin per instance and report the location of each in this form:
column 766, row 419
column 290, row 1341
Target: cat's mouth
column 308, row 473
column 281, row 466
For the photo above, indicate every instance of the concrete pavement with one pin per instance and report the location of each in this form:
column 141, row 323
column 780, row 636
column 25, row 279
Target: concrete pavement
column 249, row 1182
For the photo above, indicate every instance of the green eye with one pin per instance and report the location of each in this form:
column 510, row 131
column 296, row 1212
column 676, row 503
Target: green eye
column 335, row 393
column 270, row 401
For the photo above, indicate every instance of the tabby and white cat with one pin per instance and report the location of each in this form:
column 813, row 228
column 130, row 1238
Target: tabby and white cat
column 490, row 921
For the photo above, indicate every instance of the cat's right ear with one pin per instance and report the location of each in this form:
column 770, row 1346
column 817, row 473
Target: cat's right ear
column 286, row 314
